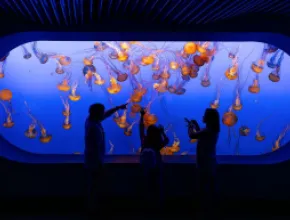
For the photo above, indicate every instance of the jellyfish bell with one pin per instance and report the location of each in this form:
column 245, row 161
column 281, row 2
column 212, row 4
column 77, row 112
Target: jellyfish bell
column 254, row 88
column 100, row 46
column 173, row 65
column 185, row 70
column 155, row 76
column 274, row 77
column 113, row 55
column 67, row 126
column 63, row 86
column 64, row 60
column 127, row 132
column 166, row 151
column 258, row 67
column 74, row 98
column 193, row 141
column 260, row 137
column 171, row 89
column 43, row 58
column 205, row 58
column 5, row 95
column 45, row 139
column 136, row 108
column 180, row 91
column 88, row 61
column 2, row 75
column 89, row 69
column 214, row 104
column 125, row 46
column 198, row 60
column 244, row 130
column 30, row 133
column 201, row 47
column 122, row 77
column 165, row 74
column 147, row 60
column 271, row 48
column 136, row 98
column 189, row 48
column 231, row 73
column 8, row 124
column 123, row 125
column 122, row 56
column 205, row 83
column 27, row 56
column 59, row 70
column 229, row 119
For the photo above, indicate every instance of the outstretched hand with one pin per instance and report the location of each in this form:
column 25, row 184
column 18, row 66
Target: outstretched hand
column 124, row 106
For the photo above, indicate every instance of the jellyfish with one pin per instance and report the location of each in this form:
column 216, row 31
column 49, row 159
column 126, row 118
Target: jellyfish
column 259, row 136
column 2, row 69
column 258, row 66
column 112, row 147
column 44, row 137
column 232, row 72
column 175, row 148
column 117, row 53
column 147, row 60
column 138, row 91
column 121, row 77
column 88, row 72
column 64, row 84
column 274, row 76
column 73, row 95
column 165, row 74
column 125, row 46
column 63, row 60
column 233, row 52
column 132, row 67
column 59, row 69
column 8, row 123
column 189, row 48
column 65, row 102
column 114, row 87
column 193, row 71
column 216, row 102
column 237, row 105
column 155, row 76
column 180, row 90
column 198, row 60
column 42, row 57
column 277, row 143
column 26, row 54
column 100, row 46
column 6, row 95
column 174, row 65
column 202, row 47
column 229, row 119
column 161, row 87
column 166, row 151
column 31, row 132
column 67, row 124
column 122, row 121
column 205, row 81
column 255, row 87
column 88, row 61
column 272, row 62
column 243, row 131
column 128, row 130
column 270, row 48
column 135, row 108
column 149, row 119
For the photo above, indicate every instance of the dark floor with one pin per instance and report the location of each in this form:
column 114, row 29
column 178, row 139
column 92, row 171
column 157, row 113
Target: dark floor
column 132, row 208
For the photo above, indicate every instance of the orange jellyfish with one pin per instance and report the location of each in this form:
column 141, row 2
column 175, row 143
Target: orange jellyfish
column 155, row 76
column 124, row 46
column 114, row 87
column 26, row 54
column 155, row 64
column 161, row 87
column 112, row 147
column 255, row 87
column 147, row 60
column 8, row 123
column 135, row 108
column 237, row 105
column 122, row 121
column 189, row 48
column 277, row 143
column 31, row 132
column 232, row 72
column 274, row 76
column 98, row 79
column 185, row 70
column 166, row 151
column 122, row 55
column 128, row 130
column 258, row 66
column 63, row 60
column 66, row 111
column 259, row 136
column 64, row 85
column 132, row 67
column 229, row 119
column 100, row 46
column 44, row 137
column 165, row 74
column 233, row 52
column 73, row 95
column 202, row 47
column 193, row 71
column 149, row 119
column 174, row 65
column 121, row 77
column 5, row 95
column 88, row 61
column 198, row 60
column 175, row 148
column 215, row 104
column 88, row 72
column 66, row 124
column 116, row 53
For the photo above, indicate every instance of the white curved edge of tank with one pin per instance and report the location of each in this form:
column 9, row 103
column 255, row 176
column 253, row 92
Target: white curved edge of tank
column 13, row 153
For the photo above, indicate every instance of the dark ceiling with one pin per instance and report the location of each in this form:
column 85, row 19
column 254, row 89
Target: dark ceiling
column 145, row 15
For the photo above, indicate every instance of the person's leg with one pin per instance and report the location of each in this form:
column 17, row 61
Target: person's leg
column 93, row 178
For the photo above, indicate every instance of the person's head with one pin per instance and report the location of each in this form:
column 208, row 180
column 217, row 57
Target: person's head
column 154, row 134
column 212, row 119
column 97, row 111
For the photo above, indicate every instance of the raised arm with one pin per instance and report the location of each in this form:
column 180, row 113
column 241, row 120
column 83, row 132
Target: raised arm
column 111, row 111
column 141, row 127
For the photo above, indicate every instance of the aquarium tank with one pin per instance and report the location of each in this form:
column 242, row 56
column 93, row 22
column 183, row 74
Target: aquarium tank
column 46, row 88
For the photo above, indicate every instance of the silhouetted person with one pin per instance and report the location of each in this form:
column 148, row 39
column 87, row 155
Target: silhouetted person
column 206, row 155
column 151, row 160
column 95, row 148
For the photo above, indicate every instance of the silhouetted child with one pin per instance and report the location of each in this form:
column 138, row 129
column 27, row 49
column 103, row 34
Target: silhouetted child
column 95, row 148
column 206, row 154
column 151, row 160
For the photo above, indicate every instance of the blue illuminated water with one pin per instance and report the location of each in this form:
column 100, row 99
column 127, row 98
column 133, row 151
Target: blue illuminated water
column 36, row 84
